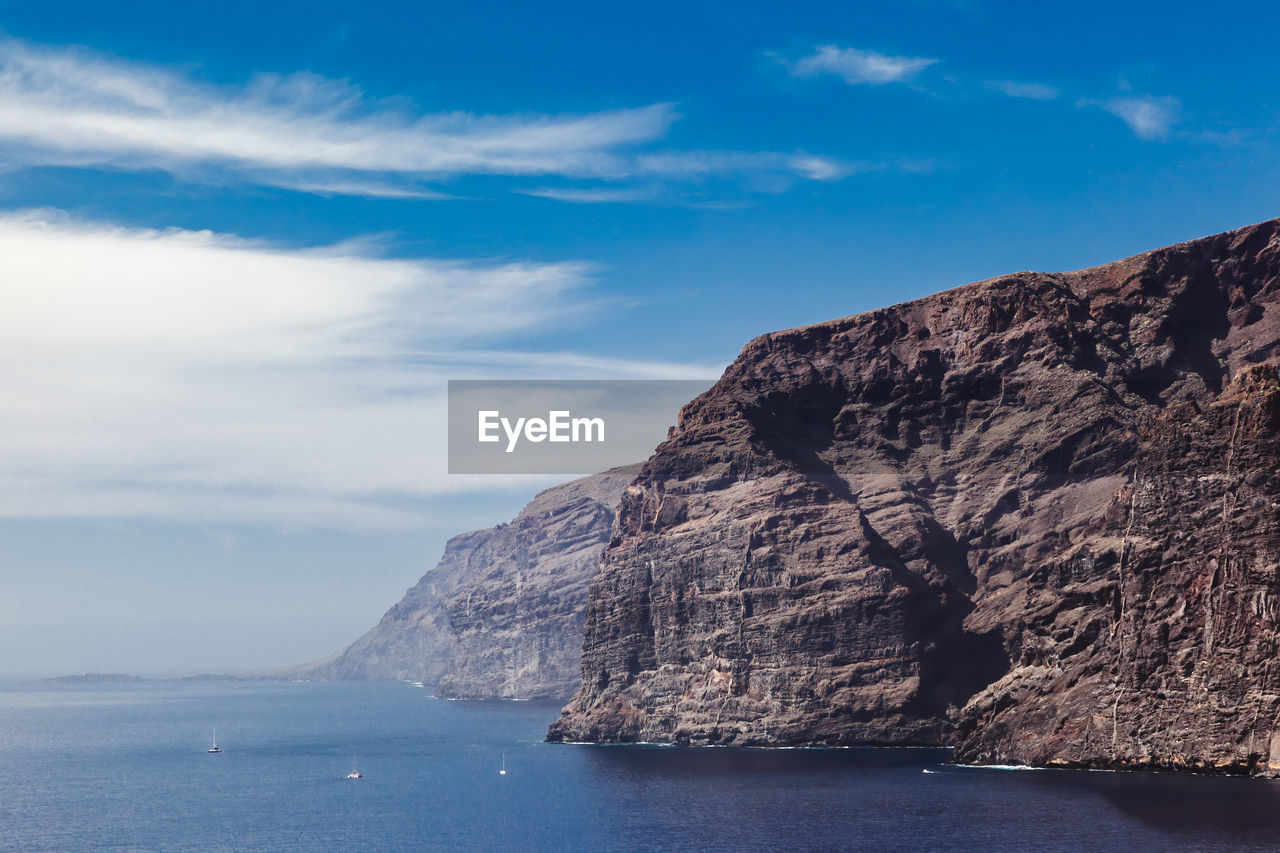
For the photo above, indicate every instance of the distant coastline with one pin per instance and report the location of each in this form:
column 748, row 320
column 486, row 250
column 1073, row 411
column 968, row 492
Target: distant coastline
column 126, row 678
column 94, row 678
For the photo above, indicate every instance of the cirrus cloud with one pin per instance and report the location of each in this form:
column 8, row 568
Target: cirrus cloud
column 856, row 66
column 188, row 374
column 1016, row 89
column 301, row 131
column 1148, row 117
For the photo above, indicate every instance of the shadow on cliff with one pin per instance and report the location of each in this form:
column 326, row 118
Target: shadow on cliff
column 954, row 664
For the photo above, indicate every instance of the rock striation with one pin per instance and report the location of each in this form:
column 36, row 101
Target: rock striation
column 1034, row 516
column 1150, row 643
column 501, row 615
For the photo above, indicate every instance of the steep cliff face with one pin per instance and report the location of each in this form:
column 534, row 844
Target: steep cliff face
column 1150, row 641
column 859, row 527
column 517, row 622
column 500, row 617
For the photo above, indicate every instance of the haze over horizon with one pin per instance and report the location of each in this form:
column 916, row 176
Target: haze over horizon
column 246, row 246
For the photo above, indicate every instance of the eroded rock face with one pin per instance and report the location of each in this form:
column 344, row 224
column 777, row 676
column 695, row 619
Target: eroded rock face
column 1150, row 641
column 500, row 617
column 867, row 522
column 517, row 623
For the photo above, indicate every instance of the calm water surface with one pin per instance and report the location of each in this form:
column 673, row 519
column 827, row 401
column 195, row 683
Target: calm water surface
column 123, row 767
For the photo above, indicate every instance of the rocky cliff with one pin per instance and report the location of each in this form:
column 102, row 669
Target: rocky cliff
column 500, row 616
column 1035, row 516
column 1149, row 642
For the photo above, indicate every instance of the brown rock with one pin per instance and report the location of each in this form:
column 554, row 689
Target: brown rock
column 1149, row 642
column 867, row 521
column 500, row 617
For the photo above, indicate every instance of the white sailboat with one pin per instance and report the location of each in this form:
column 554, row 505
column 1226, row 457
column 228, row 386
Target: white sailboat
column 355, row 771
column 214, row 748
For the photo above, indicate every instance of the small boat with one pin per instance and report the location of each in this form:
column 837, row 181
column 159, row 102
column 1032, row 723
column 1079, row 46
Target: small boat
column 503, row 771
column 214, row 748
column 355, row 772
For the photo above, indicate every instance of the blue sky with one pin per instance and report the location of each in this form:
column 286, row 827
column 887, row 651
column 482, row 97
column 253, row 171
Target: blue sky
column 244, row 245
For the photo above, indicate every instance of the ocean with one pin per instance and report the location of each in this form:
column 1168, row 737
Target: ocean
column 124, row 767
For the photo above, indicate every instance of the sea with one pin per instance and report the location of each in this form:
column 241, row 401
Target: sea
column 125, row 767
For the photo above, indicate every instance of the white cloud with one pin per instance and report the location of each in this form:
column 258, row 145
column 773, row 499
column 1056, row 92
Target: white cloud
column 190, row 374
column 539, row 363
column 819, row 168
column 301, row 131
column 703, row 164
column 763, row 171
column 655, row 195
column 367, row 189
column 856, row 66
column 1034, row 91
column 769, row 172
column 595, row 195
column 1147, row 117
column 75, row 108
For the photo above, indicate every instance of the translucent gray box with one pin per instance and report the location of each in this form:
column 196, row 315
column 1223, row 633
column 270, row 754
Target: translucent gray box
column 551, row 426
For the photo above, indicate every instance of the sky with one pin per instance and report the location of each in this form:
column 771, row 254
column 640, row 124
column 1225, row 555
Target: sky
column 243, row 247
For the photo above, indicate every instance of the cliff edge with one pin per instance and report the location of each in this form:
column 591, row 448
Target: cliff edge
column 1034, row 516
column 501, row 615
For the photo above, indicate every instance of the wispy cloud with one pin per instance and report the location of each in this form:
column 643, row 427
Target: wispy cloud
column 703, row 164
column 368, row 189
column 301, row 131
column 1148, row 117
column 66, row 106
column 769, row 173
column 654, row 195
column 1033, row 91
column 820, row 168
column 198, row 375
column 596, row 195
column 1233, row 138
column 856, row 66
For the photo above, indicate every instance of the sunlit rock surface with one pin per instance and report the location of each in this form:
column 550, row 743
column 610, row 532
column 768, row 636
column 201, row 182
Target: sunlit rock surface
column 501, row 615
column 1034, row 516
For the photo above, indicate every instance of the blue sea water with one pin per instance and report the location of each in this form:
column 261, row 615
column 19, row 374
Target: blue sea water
column 124, row 767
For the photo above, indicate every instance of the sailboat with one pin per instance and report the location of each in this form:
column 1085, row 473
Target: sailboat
column 214, row 748
column 503, row 771
column 355, row 772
